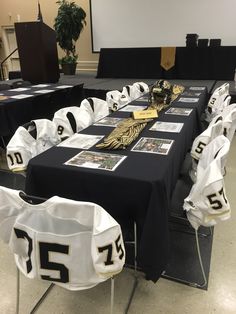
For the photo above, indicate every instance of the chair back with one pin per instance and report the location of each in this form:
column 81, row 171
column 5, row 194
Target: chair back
column 207, row 202
column 218, row 101
column 229, row 121
column 97, row 108
column 214, row 129
column 73, row 244
column 30, row 140
column 141, row 89
column 116, row 100
column 70, row 120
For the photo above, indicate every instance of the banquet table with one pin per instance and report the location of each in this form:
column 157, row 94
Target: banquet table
column 21, row 105
column 139, row 189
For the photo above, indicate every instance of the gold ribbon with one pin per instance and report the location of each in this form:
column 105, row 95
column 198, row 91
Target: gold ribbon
column 168, row 57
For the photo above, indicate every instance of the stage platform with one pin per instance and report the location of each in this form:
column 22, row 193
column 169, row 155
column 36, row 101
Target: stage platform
column 97, row 87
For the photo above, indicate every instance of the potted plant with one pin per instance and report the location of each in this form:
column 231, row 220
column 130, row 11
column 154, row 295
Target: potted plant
column 68, row 25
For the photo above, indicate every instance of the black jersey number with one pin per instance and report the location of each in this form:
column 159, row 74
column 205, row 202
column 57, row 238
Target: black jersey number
column 109, row 249
column 60, row 129
column 215, row 199
column 15, row 158
column 212, row 101
column 21, row 234
column 44, row 252
column 200, row 147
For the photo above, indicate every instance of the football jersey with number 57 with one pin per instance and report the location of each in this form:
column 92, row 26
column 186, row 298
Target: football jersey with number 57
column 207, row 203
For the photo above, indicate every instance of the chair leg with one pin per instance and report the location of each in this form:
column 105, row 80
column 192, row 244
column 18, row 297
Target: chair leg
column 112, row 293
column 200, row 261
column 135, row 283
column 192, row 284
column 17, row 290
column 43, row 297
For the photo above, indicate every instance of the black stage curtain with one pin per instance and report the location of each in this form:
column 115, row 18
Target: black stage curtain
column 204, row 63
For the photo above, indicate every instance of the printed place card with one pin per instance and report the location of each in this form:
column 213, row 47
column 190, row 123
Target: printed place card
column 145, row 114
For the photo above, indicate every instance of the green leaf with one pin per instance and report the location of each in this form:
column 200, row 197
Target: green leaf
column 69, row 23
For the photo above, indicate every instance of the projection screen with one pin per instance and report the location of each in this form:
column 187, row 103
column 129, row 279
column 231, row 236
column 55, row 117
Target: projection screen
column 156, row 23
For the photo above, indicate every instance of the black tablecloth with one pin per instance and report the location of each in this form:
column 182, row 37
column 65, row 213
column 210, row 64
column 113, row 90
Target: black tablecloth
column 200, row 63
column 16, row 112
column 139, row 189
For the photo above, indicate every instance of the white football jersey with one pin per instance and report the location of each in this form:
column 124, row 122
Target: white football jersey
column 70, row 120
column 207, row 203
column 229, row 121
column 30, row 140
column 73, row 244
column 214, row 129
column 97, row 108
column 141, row 89
column 218, row 101
column 116, row 100
column 132, row 92
column 128, row 92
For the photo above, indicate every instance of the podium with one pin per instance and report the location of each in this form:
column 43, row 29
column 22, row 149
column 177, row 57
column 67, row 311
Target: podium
column 37, row 49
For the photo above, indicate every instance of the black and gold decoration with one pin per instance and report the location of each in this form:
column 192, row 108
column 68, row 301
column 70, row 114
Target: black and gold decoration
column 124, row 134
column 162, row 93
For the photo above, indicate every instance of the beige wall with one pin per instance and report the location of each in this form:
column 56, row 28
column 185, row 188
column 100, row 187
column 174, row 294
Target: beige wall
column 27, row 10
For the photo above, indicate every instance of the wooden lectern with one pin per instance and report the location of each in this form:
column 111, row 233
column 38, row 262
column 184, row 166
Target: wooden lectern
column 37, row 49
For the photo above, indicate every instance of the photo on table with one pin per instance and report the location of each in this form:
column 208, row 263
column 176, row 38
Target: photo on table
column 96, row 160
column 188, row 100
column 132, row 108
column 82, row 141
column 162, row 126
column 108, row 121
column 153, row 145
column 179, row 111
